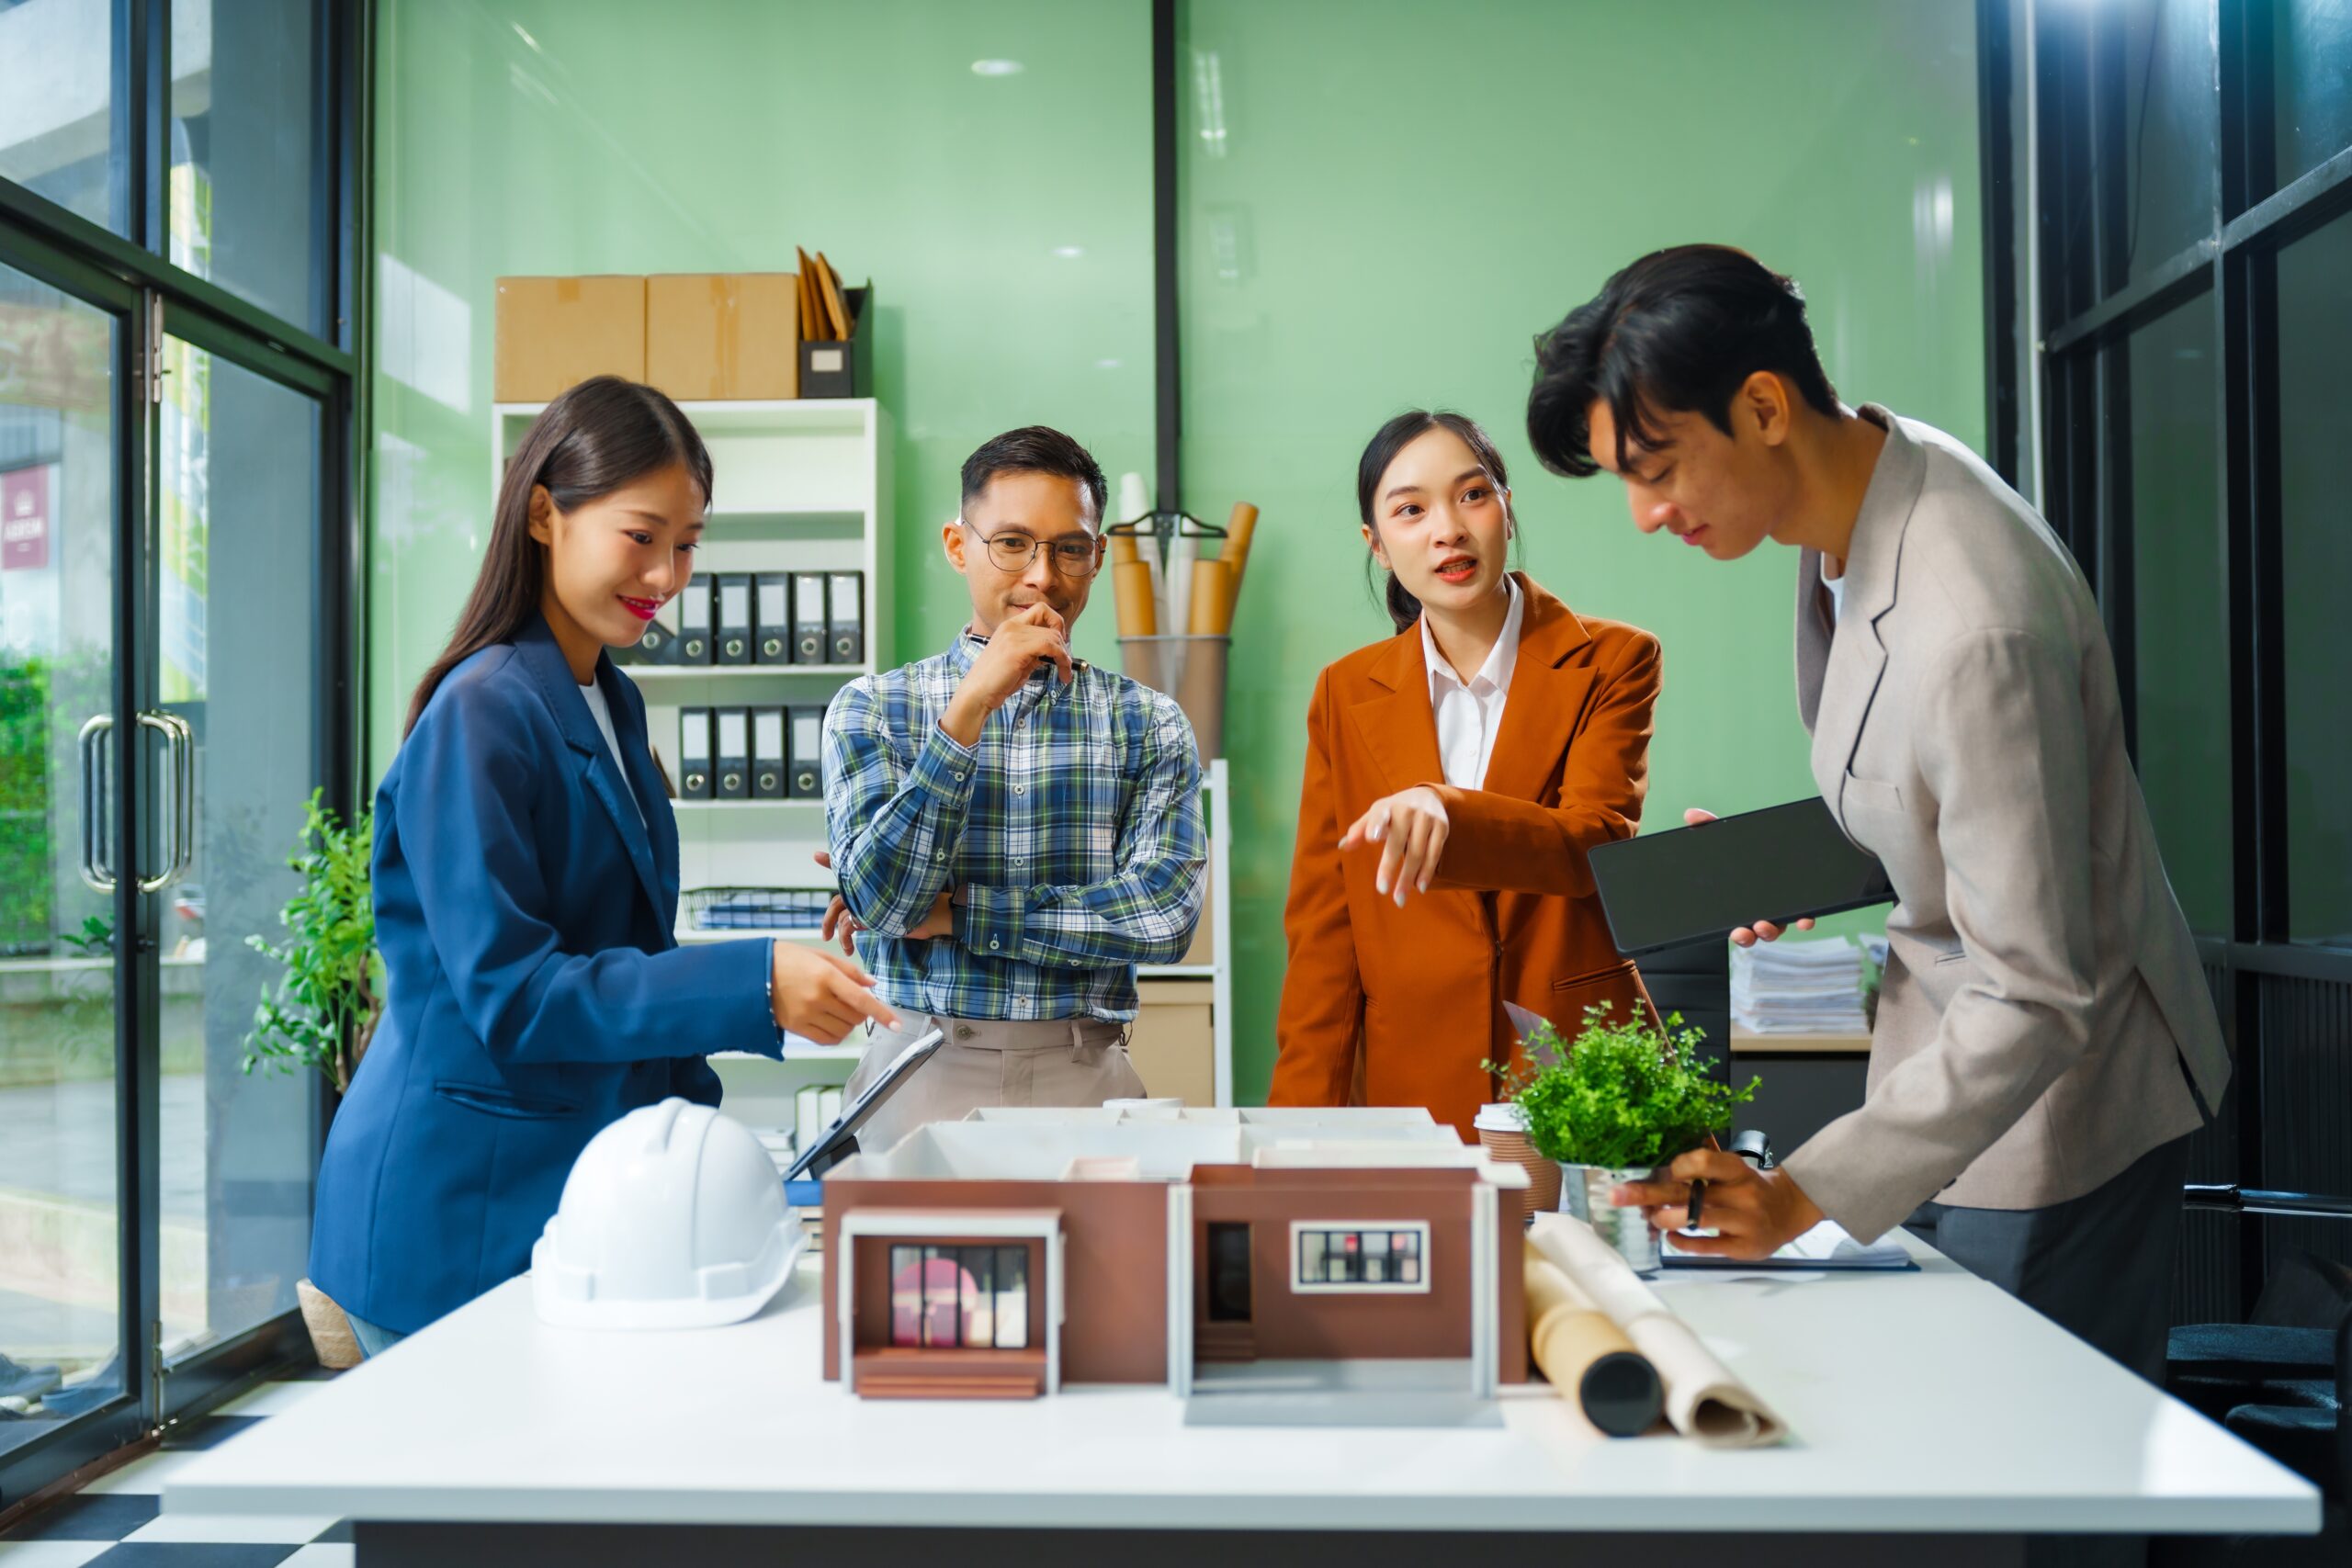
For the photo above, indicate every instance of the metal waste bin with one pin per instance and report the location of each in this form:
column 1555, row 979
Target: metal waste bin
column 1191, row 670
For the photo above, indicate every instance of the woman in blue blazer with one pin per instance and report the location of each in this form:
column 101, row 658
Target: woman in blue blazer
column 526, row 889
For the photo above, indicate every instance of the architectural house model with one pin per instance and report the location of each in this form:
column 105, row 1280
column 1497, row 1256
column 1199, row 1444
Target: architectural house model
column 1018, row 1250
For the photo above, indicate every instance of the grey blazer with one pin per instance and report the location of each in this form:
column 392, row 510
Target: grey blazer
column 2043, row 1018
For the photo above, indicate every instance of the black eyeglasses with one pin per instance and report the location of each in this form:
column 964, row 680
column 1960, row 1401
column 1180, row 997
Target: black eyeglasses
column 1013, row 551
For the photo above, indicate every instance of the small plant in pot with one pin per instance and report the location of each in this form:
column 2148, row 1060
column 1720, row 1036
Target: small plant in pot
column 1625, row 1098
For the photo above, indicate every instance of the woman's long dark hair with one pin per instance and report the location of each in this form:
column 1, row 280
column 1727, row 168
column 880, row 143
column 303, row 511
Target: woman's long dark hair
column 1389, row 440
column 601, row 434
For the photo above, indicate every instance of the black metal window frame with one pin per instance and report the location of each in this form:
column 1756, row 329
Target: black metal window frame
column 130, row 276
column 2054, row 141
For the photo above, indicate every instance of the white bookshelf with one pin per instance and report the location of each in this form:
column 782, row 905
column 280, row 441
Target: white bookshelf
column 797, row 486
column 1217, row 973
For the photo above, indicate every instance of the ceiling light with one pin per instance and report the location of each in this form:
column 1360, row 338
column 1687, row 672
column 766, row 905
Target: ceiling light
column 996, row 68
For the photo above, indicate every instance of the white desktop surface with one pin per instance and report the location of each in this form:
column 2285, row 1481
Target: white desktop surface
column 1926, row 1401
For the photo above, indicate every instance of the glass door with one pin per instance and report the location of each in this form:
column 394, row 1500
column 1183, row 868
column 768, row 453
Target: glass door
column 68, row 1248
column 234, row 659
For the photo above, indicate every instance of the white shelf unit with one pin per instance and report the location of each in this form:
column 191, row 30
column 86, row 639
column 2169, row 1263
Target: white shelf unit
column 797, row 486
column 1218, row 912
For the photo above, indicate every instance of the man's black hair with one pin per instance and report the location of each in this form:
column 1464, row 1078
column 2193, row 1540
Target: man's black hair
column 1035, row 449
column 1677, row 331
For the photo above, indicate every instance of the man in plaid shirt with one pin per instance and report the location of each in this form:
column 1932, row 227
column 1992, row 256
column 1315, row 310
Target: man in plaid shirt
column 1013, row 830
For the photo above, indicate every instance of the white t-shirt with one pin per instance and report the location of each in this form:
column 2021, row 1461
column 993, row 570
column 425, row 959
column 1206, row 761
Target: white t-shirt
column 1468, row 716
column 594, row 695
column 1837, row 586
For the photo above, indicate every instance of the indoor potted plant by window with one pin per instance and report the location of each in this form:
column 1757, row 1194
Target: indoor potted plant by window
column 1624, row 1099
column 322, row 1011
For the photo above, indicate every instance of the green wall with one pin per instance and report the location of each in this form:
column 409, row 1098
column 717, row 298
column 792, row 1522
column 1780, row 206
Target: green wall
column 1401, row 196
column 586, row 136
column 1404, row 195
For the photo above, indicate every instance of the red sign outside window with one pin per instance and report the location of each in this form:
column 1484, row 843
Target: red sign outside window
column 24, row 519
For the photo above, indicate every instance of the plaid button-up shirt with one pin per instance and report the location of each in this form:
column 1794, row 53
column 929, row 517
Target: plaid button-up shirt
column 1071, row 833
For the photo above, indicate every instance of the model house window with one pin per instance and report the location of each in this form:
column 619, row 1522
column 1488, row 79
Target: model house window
column 971, row 1297
column 1369, row 1258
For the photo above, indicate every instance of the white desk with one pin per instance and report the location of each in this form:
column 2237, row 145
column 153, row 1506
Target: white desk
column 1923, row 1402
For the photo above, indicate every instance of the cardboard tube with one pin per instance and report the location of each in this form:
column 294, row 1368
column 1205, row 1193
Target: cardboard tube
column 1586, row 1357
column 1236, row 556
column 1123, row 550
column 1211, row 604
column 1131, row 586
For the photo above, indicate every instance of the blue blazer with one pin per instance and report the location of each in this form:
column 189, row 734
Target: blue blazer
column 536, row 990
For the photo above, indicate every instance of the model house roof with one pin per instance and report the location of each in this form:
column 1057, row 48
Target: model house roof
column 1130, row 1143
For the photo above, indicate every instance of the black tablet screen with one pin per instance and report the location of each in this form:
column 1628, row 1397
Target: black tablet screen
column 1687, row 885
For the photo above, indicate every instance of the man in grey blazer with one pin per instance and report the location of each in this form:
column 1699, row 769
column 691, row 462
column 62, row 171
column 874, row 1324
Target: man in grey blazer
column 2044, row 1042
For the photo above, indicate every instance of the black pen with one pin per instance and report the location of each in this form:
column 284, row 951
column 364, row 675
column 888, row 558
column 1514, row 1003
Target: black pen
column 1075, row 661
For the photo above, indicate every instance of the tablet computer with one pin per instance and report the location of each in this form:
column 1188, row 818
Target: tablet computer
column 839, row 1141
column 1689, row 885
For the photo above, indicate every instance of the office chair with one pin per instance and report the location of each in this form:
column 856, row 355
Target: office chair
column 1695, row 981
column 2281, row 1385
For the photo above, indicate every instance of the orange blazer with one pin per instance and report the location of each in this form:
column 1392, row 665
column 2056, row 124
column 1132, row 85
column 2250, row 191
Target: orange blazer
column 1410, row 1001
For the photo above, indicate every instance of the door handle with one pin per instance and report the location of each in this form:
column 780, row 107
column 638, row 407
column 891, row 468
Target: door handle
column 94, row 801
column 179, row 799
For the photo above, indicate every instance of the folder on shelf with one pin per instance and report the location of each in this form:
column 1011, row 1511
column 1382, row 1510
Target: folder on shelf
column 660, row 643
column 769, row 760
column 693, row 623
column 734, row 619
column 808, row 753
column 807, row 1116
column 809, row 628
column 845, row 616
column 693, row 754
column 771, row 618
column 733, row 744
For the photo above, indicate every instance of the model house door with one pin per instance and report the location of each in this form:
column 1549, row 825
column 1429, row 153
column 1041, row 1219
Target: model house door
column 1225, row 1331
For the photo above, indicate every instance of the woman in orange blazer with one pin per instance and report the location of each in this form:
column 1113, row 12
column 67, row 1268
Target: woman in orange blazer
column 1457, row 773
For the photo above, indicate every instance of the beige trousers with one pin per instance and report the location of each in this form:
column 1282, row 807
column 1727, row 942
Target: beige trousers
column 1063, row 1061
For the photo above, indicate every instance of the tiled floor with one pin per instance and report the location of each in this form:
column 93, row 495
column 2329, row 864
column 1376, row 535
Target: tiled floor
column 118, row 1520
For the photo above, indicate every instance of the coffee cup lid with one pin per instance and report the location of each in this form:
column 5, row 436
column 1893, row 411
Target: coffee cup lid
column 1501, row 1117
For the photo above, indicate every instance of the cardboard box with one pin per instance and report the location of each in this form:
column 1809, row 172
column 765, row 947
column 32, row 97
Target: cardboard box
column 554, row 333
column 721, row 335
column 1173, row 1044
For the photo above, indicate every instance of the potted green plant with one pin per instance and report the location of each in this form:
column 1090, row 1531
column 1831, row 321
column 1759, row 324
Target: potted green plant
column 1624, row 1099
column 324, row 1009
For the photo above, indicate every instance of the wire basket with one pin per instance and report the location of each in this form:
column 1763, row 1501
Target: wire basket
column 756, row 909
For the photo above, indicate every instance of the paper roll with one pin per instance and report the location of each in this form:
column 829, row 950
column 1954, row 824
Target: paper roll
column 1589, row 1358
column 1236, row 554
column 1211, row 606
column 1176, row 597
column 1703, row 1399
column 1123, row 550
column 1134, row 500
column 1131, row 587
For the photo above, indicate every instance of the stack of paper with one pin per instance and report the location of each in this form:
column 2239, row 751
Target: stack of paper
column 1798, row 987
column 778, row 1142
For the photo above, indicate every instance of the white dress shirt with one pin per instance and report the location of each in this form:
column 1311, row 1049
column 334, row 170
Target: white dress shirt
column 1837, row 586
column 602, row 712
column 1468, row 716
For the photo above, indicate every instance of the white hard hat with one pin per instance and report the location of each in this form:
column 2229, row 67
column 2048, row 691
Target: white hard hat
column 672, row 1217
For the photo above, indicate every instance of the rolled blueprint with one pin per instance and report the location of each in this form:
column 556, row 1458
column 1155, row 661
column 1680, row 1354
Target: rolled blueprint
column 1703, row 1399
column 1587, row 1357
column 1131, row 583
